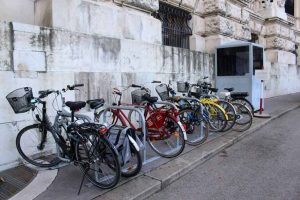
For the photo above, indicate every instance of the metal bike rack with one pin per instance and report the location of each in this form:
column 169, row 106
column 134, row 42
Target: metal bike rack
column 201, row 107
column 144, row 129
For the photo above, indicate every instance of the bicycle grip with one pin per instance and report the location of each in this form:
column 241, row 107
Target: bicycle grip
column 79, row 85
column 134, row 85
column 156, row 81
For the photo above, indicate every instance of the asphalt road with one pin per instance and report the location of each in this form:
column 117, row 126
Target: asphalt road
column 263, row 166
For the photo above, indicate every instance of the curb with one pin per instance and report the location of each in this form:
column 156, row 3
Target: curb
column 38, row 185
column 159, row 178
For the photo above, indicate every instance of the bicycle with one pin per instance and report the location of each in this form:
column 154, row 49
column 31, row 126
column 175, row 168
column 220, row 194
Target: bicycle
column 206, row 91
column 216, row 114
column 240, row 116
column 83, row 144
column 194, row 122
column 240, row 97
column 165, row 134
column 130, row 158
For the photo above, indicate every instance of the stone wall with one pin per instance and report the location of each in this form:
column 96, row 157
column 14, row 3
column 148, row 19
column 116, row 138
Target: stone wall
column 37, row 12
column 45, row 58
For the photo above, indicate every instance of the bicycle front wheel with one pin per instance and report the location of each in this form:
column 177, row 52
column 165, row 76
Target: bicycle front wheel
column 38, row 147
column 98, row 158
column 197, row 128
column 168, row 140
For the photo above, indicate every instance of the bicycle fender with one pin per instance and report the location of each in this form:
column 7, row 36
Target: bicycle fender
column 133, row 142
column 183, row 130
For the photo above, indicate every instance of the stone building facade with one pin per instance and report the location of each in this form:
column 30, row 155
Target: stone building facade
column 104, row 43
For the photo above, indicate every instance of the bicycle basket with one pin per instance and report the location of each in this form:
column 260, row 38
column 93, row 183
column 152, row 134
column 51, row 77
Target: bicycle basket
column 162, row 91
column 137, row 96
column 196, row 91
column 182, row 87
column 20, row 99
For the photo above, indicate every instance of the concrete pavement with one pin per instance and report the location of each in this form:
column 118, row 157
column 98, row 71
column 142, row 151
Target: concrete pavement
column 263, row 166
column 162, row 172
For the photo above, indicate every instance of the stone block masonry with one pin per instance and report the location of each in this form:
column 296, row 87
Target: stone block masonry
column 51, row 58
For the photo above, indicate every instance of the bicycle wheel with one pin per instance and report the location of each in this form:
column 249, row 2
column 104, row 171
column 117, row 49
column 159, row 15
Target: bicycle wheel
column 110, row 118
column 98, row 158
column 36, row 147
column 230, row 112
column 245, row 102
column 197, row 128
column 244, row 117
column 134, row 165
column 168, row 140
column 216, row 116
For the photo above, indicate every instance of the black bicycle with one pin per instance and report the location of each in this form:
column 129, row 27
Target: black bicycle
column 46, row 145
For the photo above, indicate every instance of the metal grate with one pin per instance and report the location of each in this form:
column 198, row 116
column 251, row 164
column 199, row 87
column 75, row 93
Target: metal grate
column 175, row 28
column 14, row 180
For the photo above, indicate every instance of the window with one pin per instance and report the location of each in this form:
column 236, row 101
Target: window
column 254, row 38
column 289, row 7
column 175, row 28
column 233, row 61
column 258, row 58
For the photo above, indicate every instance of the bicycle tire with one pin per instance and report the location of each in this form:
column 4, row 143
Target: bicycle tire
column 178, row 134
column 36, row 129
column 231, row 113
column 139, row 163
column 113, row 117
column 245, row 102
column 244, row 112
column 103, row 152
column 216, row 114
column 191, row 123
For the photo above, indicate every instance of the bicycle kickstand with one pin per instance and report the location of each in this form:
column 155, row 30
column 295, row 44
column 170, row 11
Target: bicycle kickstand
column 83, row 177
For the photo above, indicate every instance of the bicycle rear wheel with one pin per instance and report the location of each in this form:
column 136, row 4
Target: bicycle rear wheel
column 197, row 128
column 216, row 116
column 245, row 102
column 38, row 147
column 244, row 117
column 230, row 112
column 98, row 158
column 167, row 141
column 134, row 165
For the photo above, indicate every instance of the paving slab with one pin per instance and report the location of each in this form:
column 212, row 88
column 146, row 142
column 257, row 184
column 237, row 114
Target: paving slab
column 138, row 188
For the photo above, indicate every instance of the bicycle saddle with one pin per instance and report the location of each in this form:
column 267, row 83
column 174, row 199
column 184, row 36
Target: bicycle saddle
column 75, row 105
column 229, row 89
column 150, row 99
column 239, row 94
column 214, row 89
column 95, row 103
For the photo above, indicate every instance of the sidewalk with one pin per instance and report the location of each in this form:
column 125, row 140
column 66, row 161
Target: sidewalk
column 157, row 175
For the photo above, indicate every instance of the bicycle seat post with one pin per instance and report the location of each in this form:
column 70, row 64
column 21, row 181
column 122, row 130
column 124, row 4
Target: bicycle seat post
column 72, row 115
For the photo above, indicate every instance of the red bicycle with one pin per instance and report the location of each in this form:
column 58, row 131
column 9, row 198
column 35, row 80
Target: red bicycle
column 165, row 134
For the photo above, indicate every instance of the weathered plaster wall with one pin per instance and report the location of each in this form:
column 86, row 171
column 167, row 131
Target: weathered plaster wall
column 44, row 58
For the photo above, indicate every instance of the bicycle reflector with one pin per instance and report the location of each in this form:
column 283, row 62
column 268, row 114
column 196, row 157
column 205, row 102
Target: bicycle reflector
column 102, row 131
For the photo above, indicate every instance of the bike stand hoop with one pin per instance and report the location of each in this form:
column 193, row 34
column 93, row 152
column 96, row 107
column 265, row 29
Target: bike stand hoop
column 144, row 128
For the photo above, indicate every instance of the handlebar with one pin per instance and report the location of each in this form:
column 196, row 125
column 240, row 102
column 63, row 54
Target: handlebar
column 156, row 81
column 74, row 86
column 136, row 86
column 45, row 93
